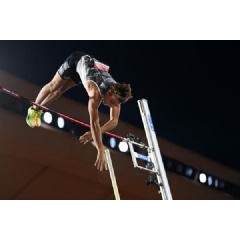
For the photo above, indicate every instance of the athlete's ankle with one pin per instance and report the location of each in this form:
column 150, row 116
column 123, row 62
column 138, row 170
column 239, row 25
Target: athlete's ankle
column 35, row 108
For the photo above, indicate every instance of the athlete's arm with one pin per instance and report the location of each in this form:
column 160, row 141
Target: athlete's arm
column 93, row 104
column 94, row 123
column 112, row 123
column 101, row 161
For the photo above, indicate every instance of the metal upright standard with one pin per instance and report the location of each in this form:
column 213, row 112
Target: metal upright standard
column 155, row 164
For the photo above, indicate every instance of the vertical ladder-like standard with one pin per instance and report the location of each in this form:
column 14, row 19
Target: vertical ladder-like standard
column 153, row 150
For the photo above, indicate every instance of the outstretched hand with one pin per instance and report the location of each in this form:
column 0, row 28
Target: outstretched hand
column 101, row 161
column 86, row 138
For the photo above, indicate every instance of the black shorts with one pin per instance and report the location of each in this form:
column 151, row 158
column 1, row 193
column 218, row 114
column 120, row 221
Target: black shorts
column 68, row 68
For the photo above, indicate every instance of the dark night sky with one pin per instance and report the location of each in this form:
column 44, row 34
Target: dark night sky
column 191, row 86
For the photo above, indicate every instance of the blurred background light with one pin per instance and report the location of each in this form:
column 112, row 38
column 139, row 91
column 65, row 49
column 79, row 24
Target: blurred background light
column 47, row 117
column 60, row 122
column 123, row 146
column 113, row 142
column 202, row 177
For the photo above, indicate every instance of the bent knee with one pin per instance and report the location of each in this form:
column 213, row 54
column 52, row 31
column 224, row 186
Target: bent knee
column 67, row 86
column 55, row 85
column 50, row 87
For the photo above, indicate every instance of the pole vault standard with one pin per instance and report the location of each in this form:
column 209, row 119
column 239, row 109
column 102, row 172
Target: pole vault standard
column 154, row 150
column 155, row 167
column 154, row 161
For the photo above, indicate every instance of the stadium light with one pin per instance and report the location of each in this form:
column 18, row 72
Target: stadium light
column 60, row 122
column 210, row 181
column 113, row 142
column 47, row 117
column 216, row 183
column 189, row 172
column 202, row 177
column 123, row 146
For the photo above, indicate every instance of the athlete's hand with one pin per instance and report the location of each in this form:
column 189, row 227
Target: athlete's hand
column 101, row 161
column 86, row 138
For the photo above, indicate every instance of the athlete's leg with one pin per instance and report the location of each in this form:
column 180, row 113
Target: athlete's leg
column 48, row 94
column 54, row 89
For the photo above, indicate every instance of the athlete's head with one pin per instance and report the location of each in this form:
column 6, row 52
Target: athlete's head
column 122, row 91
column 117, row 93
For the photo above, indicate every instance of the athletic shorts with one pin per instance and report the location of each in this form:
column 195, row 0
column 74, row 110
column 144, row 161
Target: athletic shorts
column 81, row 67
column 68, row 68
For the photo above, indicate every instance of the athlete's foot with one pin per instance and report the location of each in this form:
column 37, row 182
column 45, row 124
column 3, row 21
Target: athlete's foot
column 34, row 117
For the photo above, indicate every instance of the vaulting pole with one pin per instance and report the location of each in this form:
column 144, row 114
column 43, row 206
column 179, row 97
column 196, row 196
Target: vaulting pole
column 112, row 175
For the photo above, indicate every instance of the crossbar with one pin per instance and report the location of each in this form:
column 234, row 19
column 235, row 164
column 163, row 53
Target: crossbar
column 9, row 92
